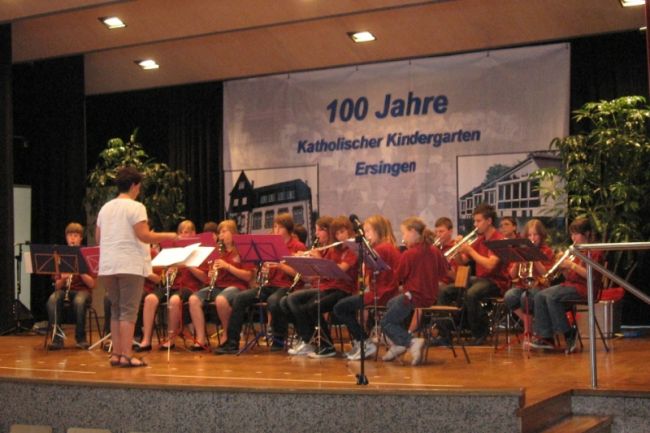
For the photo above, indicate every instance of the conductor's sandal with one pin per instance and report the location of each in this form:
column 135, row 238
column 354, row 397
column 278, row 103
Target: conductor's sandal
column 132, row 362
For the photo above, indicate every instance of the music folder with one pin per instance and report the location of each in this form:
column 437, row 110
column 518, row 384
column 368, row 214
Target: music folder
column 316, row 267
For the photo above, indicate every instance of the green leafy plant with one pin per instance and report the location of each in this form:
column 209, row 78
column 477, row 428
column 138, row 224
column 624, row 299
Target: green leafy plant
column 604, row 170
column 162, row 188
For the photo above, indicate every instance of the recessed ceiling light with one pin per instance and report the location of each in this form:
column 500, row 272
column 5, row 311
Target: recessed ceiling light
column 147, row 64
column 630, row 3
column 360, row 37
column 112, row 22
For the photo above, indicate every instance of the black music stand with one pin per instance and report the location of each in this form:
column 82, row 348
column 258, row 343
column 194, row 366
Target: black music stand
column 320, row 269
column 517, row 251
column 18, row 308
column 259, row 249
column 54, row 260
column 375, row 264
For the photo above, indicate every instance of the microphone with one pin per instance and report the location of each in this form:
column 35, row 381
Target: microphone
column 358, row 227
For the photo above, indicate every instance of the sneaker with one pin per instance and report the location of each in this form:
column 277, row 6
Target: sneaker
column 416, row 350
column 227, row 349
column 325, row 351
column 355, row 348
column 295, row 345
column 304, row 350
column 56, row 344
column 571, row 340
column 394, row 352
column 83, row 345
column 369, row 350
column 542, row 343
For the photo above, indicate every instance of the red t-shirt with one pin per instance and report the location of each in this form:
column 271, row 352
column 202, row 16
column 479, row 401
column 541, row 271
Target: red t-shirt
column 386, row 283
column 186, row 279
column 573, row 279
column 418, row 272
column 341, row 255
column 225, row 278
column 499, row 275
column 278, row 278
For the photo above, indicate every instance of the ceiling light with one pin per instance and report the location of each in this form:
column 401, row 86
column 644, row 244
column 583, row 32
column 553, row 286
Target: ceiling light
column 147, row 64
column 360, row 37
column 112, row 22
column 630, row 3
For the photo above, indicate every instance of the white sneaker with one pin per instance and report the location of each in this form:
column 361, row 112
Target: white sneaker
column 416, row 350
column 369, row 350
column 324, row 352
column 394, row 352
column 305, row 350
column 353, row 350
column 296, row 347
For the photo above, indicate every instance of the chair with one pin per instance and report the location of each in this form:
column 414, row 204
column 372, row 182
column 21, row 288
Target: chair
column 91, row 314
column 376, row 333
column 500, row 317
column 582, row 306
column 432, row 317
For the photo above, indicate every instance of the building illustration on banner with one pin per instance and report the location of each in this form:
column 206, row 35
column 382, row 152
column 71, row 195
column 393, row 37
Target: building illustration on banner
column 254, row 209
column 507, row 186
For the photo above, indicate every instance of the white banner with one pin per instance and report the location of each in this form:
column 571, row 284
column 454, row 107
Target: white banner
column 387, row 138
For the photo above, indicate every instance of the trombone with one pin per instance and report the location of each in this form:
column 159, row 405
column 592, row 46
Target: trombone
column 468, row 239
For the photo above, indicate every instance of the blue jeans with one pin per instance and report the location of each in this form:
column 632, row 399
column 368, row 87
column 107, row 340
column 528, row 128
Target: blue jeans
column 550, row 313
column 515, row 298
column 346, row 312
column 393, row 323
column 80, row 300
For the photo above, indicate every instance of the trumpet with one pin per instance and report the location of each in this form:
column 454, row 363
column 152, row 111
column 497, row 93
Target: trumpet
column 468, row 239
column 553, row 273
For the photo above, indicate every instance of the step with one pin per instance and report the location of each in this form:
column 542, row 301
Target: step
column 582, row 424
column 538, row 416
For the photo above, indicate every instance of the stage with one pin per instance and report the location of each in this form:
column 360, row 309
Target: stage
column 521, row 378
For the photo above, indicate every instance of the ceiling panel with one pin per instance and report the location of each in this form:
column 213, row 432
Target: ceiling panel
column 204, row 40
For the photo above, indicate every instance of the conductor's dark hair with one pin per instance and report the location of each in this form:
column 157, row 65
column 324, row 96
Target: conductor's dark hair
column 127, row 176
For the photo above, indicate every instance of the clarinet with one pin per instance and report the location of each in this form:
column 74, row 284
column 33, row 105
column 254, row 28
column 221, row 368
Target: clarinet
column 68, row 285
column 215, row 270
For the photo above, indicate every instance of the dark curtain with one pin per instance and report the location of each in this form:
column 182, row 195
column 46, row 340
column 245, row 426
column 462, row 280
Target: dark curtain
column 180, row 125
column 6, row 181
column 49, row 116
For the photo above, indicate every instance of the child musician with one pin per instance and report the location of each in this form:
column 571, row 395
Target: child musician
column 419, row 270
column 232, row 277
column 529, row 275
column 74, row 287
column 304, row 304
column 379, row 232
column 187, row 281
column 280, row 278
column 492, row 277
column 550, row 313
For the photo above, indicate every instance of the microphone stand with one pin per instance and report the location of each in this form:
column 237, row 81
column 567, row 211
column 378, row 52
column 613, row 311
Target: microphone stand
column 359, row 239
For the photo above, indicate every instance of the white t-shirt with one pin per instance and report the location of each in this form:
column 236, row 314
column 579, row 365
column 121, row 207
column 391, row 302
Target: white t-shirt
column 121, row 252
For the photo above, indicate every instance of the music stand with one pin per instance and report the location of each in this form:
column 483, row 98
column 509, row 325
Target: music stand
column 320, row 269
column 259, row 249
column 54, row 260
column 17, row 305
column 517, row 251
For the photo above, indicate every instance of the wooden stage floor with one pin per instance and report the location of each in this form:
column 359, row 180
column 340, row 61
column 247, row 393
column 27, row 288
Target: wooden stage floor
column 541, row 375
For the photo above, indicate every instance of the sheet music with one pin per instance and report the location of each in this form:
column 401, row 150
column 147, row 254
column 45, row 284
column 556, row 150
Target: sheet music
column 198, row 256
column 175, row 256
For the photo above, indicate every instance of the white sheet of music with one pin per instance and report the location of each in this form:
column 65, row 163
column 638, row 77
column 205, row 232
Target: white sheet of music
column 174, row 256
